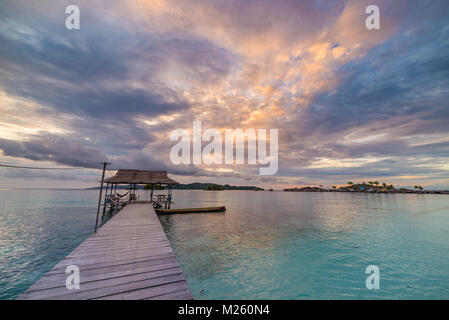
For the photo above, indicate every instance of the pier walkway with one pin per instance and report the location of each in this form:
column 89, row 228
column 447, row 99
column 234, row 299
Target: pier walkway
column 129, row 257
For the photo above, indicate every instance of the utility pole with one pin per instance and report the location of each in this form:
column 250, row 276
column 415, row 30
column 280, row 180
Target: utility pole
column 101, row 192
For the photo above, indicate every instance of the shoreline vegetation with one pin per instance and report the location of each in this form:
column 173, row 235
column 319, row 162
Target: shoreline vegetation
column 369, row 187
column 214, row 187
column 194, row 186
column 205, row 186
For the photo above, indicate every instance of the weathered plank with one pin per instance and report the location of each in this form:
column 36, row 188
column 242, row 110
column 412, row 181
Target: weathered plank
column 129, row 257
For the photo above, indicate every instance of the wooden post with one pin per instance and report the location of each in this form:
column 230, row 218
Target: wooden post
column 169, row 196
column 101, row 191
column 105, row 198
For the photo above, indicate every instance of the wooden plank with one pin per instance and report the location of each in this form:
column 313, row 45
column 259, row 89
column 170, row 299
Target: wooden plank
column 149, row 292
column 104, row 287
column 191, row 210
column 116, row 262
column 177, row 295
column 102, row 274
column 129, row 257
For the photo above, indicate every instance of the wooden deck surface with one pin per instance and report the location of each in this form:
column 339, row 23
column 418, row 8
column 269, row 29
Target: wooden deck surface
column 129, row 257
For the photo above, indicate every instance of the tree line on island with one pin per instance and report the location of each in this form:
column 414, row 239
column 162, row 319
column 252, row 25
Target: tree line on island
column 205, row 186
column 370, row 186
column 365, row 187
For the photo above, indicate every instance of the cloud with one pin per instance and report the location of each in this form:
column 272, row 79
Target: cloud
column 51, row 148
column 61, row 175
column 348, row 101
column 102, row 80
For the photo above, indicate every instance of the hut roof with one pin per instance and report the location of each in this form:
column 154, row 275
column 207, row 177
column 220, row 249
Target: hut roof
column 141, row 177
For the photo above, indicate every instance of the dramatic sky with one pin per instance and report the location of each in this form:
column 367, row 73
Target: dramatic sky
column 350, row 104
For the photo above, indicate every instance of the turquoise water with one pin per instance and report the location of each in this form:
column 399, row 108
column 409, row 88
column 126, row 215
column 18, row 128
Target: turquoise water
column 268, row 245
column 281, row 245
column 38, row 228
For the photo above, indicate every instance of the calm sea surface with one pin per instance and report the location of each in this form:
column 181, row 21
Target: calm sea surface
column 268, row 245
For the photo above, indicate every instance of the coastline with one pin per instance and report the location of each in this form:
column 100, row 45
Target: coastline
column 396, row 191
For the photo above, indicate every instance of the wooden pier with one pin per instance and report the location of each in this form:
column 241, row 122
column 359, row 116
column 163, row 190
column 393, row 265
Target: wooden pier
column 129, row 257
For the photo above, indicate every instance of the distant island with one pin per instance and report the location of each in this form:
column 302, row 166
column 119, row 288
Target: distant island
column 363, row 187
column 194, row 186
column 214, row 186
column 369, row 187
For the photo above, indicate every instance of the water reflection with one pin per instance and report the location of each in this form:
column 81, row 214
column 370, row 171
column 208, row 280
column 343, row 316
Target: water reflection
column 37, row 229
column 293, row 245
column 267, row 245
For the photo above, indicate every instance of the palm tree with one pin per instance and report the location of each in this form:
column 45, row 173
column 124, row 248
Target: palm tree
column 334, row 187
column 376, row 183
column 384, row 185
column 350, row 183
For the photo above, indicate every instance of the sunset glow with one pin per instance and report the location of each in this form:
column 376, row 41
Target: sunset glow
column 350, row 103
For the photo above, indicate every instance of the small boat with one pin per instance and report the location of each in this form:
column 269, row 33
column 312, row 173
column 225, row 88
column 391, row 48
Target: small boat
column 191, row 210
